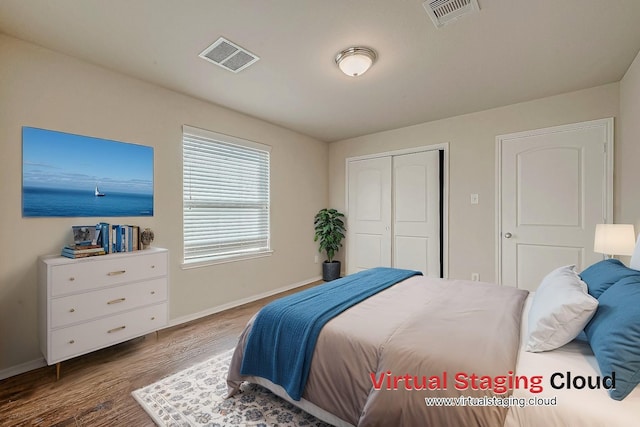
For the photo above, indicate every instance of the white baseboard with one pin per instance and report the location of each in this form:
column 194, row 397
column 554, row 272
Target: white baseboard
column 236, row 303
column 22, row 368
column 39, row 363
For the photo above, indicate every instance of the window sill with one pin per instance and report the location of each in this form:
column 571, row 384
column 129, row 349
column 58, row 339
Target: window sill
column 215, row 261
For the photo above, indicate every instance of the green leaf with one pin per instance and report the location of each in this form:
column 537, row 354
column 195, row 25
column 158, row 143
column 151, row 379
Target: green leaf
column 329, row 231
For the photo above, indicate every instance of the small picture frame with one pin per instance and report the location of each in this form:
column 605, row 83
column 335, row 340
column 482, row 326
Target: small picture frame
column 84, row 234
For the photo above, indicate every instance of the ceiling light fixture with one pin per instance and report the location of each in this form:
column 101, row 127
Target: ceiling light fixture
column 355, row 61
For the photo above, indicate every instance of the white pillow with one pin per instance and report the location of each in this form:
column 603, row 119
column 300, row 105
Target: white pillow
column 560, row 309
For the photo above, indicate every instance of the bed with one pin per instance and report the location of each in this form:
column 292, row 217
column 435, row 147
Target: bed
column 388, row 359
column 585, row 408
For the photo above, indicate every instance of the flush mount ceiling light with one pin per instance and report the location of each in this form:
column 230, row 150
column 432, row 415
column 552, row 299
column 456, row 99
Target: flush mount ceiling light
column 355, row 61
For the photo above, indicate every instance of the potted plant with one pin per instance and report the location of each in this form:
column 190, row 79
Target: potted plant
column 329, row 228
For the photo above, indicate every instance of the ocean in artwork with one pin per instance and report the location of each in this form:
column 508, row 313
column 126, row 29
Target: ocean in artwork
column 51, row 202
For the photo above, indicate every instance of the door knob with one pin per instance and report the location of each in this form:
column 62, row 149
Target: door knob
column 507, row 235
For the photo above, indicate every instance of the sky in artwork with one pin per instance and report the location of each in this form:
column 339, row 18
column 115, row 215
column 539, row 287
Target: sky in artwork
column 58, row 160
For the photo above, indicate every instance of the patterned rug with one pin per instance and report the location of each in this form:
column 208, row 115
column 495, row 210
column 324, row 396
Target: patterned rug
column 196, row 397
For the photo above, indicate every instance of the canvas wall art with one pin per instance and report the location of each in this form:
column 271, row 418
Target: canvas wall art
column 67, row 175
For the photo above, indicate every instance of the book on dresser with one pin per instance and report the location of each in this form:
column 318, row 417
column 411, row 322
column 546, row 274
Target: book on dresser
column 81, row 251
column 86, row 304
column 119, row 237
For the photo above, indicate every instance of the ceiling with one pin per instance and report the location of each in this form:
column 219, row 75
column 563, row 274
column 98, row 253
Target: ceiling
column 509, row 52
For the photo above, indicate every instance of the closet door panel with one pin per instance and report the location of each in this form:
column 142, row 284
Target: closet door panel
column 411, row 253
column 416, row 212
column 369, row 214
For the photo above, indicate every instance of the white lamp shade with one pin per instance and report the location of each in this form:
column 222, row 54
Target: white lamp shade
column 355, row 65
column 614, row 239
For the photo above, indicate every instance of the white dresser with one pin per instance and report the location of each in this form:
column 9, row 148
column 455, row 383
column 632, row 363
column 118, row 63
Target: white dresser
column 89, row 303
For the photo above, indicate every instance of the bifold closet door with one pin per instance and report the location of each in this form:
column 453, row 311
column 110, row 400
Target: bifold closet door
column 369, row 215
column 416, row 212
column 393, row 216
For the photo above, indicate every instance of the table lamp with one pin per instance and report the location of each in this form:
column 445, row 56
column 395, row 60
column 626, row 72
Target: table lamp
column 614, row 239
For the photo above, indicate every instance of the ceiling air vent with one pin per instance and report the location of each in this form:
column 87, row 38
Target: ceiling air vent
column 228, row 55
column 443, row 12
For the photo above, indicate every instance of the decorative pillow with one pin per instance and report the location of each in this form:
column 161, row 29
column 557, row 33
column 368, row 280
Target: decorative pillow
column 614, row 335
column 601, row 275
column 560, row 309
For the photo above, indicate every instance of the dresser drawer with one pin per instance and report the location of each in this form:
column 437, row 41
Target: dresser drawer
column 91, row 273
column 90, row 305
column 79, row 339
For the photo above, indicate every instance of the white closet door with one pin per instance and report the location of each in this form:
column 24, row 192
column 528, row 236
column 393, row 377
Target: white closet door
column 369, row 215
column 416, row 226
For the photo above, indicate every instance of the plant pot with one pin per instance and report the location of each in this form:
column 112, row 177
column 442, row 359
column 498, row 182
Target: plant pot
column 330, row 270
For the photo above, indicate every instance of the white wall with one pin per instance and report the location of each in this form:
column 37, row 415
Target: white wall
column 627, row 173
column 471, row 139
column 44, row 89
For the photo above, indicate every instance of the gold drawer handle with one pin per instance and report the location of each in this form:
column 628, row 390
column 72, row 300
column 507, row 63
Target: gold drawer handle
column 72, row 310
column 115, row 301
column 116, row 273
column 119, row 328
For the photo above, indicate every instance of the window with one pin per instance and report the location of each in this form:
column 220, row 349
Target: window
column 225, row 197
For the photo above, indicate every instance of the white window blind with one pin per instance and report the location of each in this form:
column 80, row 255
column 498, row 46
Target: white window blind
column 225, row 195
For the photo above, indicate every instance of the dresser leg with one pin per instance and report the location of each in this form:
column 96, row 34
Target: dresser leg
column 58, row 370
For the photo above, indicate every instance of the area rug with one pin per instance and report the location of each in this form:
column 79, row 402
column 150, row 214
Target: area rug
column 196, row 397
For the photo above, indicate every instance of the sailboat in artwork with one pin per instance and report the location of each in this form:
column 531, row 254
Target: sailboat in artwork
column 98, row 193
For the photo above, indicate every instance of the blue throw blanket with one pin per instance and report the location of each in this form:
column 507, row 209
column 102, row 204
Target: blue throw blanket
column 284, row 334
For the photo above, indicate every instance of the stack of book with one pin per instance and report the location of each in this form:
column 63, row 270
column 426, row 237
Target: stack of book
column 118, row 238
column 81, row 251
column 103, row 238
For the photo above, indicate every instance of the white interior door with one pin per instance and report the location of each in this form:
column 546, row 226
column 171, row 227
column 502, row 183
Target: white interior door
column 555, row 186
column 369, row 215
column 416, row 212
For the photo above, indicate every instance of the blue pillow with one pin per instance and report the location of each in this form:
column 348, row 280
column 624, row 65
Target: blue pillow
column 601, row 275
column 614, row 335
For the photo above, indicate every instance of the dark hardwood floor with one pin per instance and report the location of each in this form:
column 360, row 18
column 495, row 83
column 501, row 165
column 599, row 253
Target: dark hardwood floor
column 95, row 389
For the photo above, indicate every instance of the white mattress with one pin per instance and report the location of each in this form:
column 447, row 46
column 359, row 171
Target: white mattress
column 585, row 407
